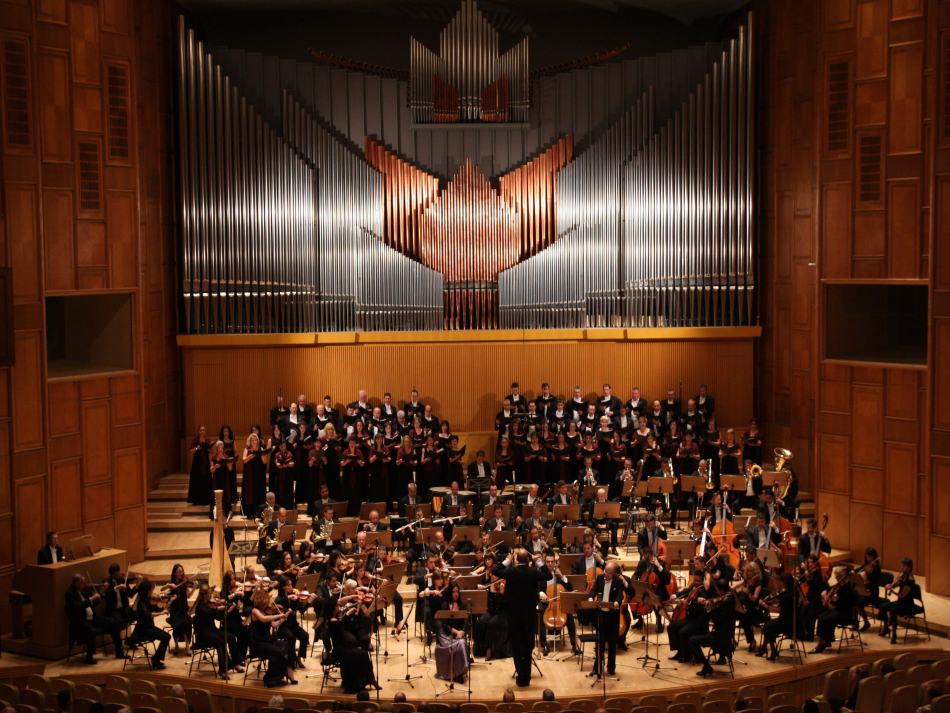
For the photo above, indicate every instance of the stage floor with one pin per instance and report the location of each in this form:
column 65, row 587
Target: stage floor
column 566, row 678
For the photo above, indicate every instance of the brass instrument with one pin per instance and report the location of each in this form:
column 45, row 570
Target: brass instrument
column 781, row 457
column 266, row 517
column 756, row 471
column 710, row 485
column 672, row 474
column 628, row 522
column 324, row 533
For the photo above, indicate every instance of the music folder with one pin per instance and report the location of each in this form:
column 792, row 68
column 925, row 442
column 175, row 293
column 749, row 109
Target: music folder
column 527, row 510
column 469, row 533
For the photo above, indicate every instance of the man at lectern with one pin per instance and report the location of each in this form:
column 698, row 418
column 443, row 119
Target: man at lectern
column 52, row 552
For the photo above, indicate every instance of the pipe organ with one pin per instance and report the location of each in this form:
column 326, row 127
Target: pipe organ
column 673, row 209
column 291, row 229
column 468, row 80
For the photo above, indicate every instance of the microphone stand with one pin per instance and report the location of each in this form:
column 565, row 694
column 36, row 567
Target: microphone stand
column 408, row 679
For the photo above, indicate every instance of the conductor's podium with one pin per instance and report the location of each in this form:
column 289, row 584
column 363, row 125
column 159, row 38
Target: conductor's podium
column 38, row 602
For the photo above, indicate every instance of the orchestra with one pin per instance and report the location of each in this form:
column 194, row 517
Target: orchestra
column 548, row 452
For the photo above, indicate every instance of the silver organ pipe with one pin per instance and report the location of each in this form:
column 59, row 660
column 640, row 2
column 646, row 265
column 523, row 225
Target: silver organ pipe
column 654, row 227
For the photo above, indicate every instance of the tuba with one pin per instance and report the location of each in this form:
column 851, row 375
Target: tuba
column 781, row 457
column 266, row 516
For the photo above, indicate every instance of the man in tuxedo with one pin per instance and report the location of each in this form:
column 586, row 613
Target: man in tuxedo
column 624, row 423
column 270, row 501
column 498, row 523
column 360, row 545
column 718, row 511
column 374, row 525
column 304, row 410
column 691, row 420
column 638, row 406
column 279, row 412
column 117, row 594
column 587, row 475
column 559, row 418
column 555, row 578
column 361, row 407
column 51, row 553
column 328, row 410
column 522, row 583
column 658, row 419
column 762, row 533
column 562, row 495
column 589, row 561
column 411, row 498
column 429, row 421
column 533, row 542
column 84, row 625
column 609, row 588
column 652, row 531
column 504, row 418
column 812, row 541
column 317, row 506
column 608, row 405
column 664, row 577
column 275, row 551
column 671, row 404
column 535, row 520
column 387, row 410
column 320, row 420
column 705, row 403
column 479, row 468
column 602, row 524
column 577, row 406
column 518, row 402
column 489, row 500
column 532, row 420
column 413, row 407
column 546, row 402
column 531, row 497
column 324, row 546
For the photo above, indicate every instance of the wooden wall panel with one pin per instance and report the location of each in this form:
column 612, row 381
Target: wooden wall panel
column 84, row 42
column 836, row 222
column 58, row 232
column 941, row 503
column 30, row 521
column 53, row 11
column 96, row 451
column 903, row 234
column 28, row 392
column 66, row 493
column 121, row 231
column 833, row 468
column 867, row 425
column 865, row 529
column 906, row 99
column 52, row 68
column 941, row 371
column 470, row 404
column 127, row 475
column 872, row 39
column 900, row 472
column 23, row 240
column 941, row 248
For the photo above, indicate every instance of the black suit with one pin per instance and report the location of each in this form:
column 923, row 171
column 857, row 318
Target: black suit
column 752, row 536
column 609, row 618
column 45, row 555
column 486, row 503
column 707, row 408
column 671, row 408
column 83, row 628
column 638, row 408
column 473, row 470
column 805, row 545
column 277, row 414
column 608, row 402
column 723, row 618
column 521, row 602
column 644, row 538
column 571, row 626
column 594, row 523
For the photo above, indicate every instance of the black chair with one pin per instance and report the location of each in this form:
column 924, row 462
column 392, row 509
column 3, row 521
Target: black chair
column 136, row 649
column 201, row 654
column 727, row 655
column 329, row 663
column 914, row 619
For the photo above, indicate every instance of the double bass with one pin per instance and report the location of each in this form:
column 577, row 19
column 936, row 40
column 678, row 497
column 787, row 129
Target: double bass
column 554, row 617
column 726, row 535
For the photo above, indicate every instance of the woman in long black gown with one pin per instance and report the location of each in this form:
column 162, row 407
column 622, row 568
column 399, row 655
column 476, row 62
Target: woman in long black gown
column 380, row 460
column 356, row 667
column 179, row 617
column 199, row 482
column 145, row 630
column 331, row 468
column 207, row 615
column 254, row 477
column 273, row 445
column 226, row 436
column 264, row 619
column 221, row 471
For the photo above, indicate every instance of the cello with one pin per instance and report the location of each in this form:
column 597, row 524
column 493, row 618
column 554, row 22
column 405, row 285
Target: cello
column 726, row 536
column 554, row 617
column 784, row 528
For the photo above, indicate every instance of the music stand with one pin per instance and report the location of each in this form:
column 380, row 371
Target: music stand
column 79, row 547
column 770, row 478
column 678, row 551
column 661, row 486
column 590, row 491
column 601, row 656
column 477, row 602
column 610, row 511
column 425, row 535
column 572, row 535
column 735, row 483
column 308, row 582
column 578, row 581
column 380, row 537
column 407, row 678
column 645, row 593
column 507, row 537
column 693, row 484
column 768, row 556
column 410, row 511
column 367, row 508
column 392, row 572
column 469, row 533
column 569, row 602
column 243, row 548
column 528, row 510
column 344, row 531
column 449, row 615
column 468, row 581
column 463, row 560
column 386, row 593
column 292, row 533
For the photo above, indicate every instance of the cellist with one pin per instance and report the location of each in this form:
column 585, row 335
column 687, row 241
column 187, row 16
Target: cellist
column 652, row 569
column 551, row 585
column 592, row 565
column 696, row 620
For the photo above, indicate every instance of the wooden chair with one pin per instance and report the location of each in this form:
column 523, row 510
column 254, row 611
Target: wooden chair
column 784, row 709
column 140, row 685
column 903, row 662
column 755, row 703
column 752, row 691
column 89, row 692
column 439, row 708
column 655, row 700
column 113, row 707
column 625, row 705
column 922, row 689
column 940, row 705
column 410, row 708
column 473, row 708
column 119, row 683
column 115, row 695
column 499, row 708
column 877, row 665
column 836, row 685
column 780, row 699
column 164, row 690
column 82, row 705
column 717, row 707
column 688, row 697
column 22, row 708
column 297, row 704
column 682, row 708
column 582, row 705
column 940, row 669
column 892, row 681
column 904, row 700
column 870, row 694
column 144, row 700
column 915, row 676
column 551, row 707
column 37, row 682
column 62, row 684
column 146, row 710
column 719, row 694
column 32, row 697
column 173, row 705
column 9, row 693
column 645, row 709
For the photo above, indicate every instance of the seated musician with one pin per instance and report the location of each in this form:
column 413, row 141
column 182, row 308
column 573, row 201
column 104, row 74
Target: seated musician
column 870, row 572
column 717, row 512
column 812, row 578
column 274, row 548
column 536, row 520
column 407, row 503
column 84, row 625
column 452, row 499
column 750, row 594
column 762, row 535
column 772, row 505
column 625, row 474
column 414, row 548
column 696, row 620
column 666, row 471
column 722, row 615
column 411, row 498
column 270, row 501
column 500, row 550
column 531, row 497
column 429, row 581
column 374, row 525
column 652, row 531
column 716, row 564
column 535, row 544
column 840, row 601
column 812, row 541
column 51, row 552
column 699, row 529
column 490, row 500
column 118, row 592
column 464, row 547
column 588, row 565
column 556, row 578
column 147, row 609
column 782, row 624
column 561, row 497
column 752, row 557
column 290, row 600
column 749, row 498
column 286, row 566
column 587, row 475
column 907, row 590
column 499, row 523
column 439, row 546
column 324, row 526
column 375, row 565
column 603, row 524
column 609, row 587
column 310, row 562
column 324, row 499
column 207, row 614
column 359, row 545
column 648, row 565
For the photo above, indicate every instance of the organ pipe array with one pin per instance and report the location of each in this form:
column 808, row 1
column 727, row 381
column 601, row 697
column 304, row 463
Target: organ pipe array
column 248, row 259
column 675, row 211
column 468, row 80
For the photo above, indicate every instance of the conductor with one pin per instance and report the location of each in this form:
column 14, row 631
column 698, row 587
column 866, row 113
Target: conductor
column 521, row 603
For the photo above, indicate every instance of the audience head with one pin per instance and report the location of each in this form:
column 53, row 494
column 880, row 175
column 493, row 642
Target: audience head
column 548, row 695
column 178, row 692
column 362, row 695
column 399, row 697
column 422, row 706
column 274, row 702
column 509, row 696
column 63, row 700
column 455, row 707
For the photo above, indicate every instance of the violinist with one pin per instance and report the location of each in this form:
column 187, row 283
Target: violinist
column 286, row 568
column 782, row 624
column 812, row 541
column 752, row 557
column 356, row 667
column 499, row 523
column 375, row 565
column 722, row 615
column 603, row 525
column 490, row 635
column 329, row 586
column 840, row 601
column 84, row 625
column 429, row 582
column 118, row 592
column 870, row 572
column 556, row 579
column 536, row 520
column 295, row 605
column 237, row 595
column 610, row 587
column 208, row 612
column 308, row 562
column 179, row 589
column 465, row 547
column 812, row 579
column 359, row 545
column 907, row 591
column 265, row 618
column 648, row 567
column 652, row 531
column 147, row 609
column 750, row 594
column 325, row 545
column 416, row 547
column 490, row 500
column 696, row 621
column 451, row 650
column 714, row 563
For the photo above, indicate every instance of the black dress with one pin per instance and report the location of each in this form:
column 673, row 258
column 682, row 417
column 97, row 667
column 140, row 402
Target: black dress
column 232, row 474
column 199, row 482
column 178, row 616
column 254, row 482
column 208, row 634
column 145, row 630
column 730, row 459
column 378, row 488
column 222, row 479
column 356, row 668
column 265, row 646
